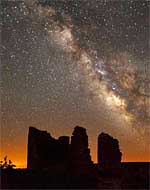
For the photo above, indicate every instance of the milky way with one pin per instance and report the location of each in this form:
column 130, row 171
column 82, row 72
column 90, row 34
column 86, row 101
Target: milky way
column 85, row 58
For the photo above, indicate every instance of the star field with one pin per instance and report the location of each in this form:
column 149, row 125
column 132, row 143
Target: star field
column 68, row 63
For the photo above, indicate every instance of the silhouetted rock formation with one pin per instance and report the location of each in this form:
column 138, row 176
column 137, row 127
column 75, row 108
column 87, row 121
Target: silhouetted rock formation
column 80, row 159
column 45, row 152
column 57, row 155
column 109, row 155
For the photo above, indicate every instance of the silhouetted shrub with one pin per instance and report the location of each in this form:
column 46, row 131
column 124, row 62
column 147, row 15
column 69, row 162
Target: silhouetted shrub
column 7, row 164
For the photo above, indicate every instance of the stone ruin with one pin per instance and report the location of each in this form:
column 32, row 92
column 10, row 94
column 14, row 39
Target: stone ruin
column 46, row 152
column 109, row 155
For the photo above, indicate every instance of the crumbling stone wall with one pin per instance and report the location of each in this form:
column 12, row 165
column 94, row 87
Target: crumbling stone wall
column 44, row 151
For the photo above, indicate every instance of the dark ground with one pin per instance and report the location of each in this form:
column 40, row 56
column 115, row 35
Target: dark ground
column 131, row 176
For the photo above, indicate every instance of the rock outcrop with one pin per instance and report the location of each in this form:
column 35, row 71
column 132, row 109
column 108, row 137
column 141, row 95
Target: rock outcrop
column 109, row 155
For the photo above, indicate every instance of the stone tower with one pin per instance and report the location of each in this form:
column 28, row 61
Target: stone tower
column 109, row 155
column 80, row 159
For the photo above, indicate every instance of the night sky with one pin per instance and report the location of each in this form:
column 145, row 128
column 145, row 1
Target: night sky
column 75, row 62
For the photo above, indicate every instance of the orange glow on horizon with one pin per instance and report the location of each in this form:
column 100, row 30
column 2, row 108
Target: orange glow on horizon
column 22, row 162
